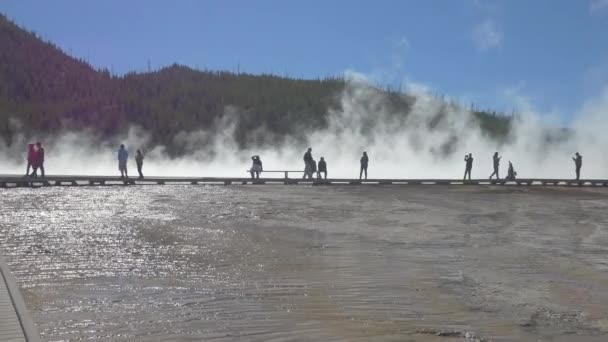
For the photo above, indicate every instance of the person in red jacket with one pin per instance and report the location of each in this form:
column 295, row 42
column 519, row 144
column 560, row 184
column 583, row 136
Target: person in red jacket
column 38, row 162
column 31, row 152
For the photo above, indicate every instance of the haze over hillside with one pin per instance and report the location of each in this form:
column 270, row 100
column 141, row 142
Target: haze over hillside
column 44, row 91
column 192, row 122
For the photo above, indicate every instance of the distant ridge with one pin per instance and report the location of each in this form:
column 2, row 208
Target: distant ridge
column 47, row 91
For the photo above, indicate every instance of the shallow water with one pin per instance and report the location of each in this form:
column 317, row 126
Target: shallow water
column 293, row 263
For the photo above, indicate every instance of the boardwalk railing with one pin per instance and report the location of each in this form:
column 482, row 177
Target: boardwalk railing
column 16, row 324
column 284, row 172
column 11, row 181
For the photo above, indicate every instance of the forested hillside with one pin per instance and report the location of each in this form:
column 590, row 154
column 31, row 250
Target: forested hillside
column 47, row 90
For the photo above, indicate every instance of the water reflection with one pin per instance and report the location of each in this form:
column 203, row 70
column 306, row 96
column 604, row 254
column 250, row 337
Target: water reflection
column 297, row 263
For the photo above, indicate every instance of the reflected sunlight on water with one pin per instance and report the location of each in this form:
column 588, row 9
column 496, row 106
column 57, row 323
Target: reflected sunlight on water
column 294, row 263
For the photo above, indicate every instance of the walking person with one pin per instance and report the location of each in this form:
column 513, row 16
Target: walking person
column 468, row 159
column 123, row 156
column 139, row 160
column 578, row 163
column 256, row 167
column 38, row 160
column 364, row 162
column 322, row 168
column 307, row 161
column 31, row 154
column 496, row 163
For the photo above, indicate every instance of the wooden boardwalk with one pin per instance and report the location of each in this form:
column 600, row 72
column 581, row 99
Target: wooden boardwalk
column 12, row 181
column 16, row 324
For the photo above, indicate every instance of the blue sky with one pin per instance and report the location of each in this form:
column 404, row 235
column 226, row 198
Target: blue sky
column 551, row 53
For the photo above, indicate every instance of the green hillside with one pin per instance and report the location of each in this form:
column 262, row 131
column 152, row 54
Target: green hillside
column 47, row 91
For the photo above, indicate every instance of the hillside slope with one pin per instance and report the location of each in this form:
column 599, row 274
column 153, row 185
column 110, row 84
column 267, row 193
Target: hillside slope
column 47, row 91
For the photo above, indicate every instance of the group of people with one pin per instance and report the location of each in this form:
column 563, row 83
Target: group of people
column 123, row 158
column 311, row 167
column 511, row 174
column 468, row 159
column 35, row 160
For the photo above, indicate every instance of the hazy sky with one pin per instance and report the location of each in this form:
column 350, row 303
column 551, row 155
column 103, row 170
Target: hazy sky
column 552, row 54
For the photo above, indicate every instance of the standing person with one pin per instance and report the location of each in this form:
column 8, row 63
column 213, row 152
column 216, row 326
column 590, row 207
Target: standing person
column 139, row 160
column 496, row 160
column 38, row 160
column 364, row 162
column 123, row 156
column 256, row 167
column 307, row 161
column 322, row 168
column 31, row 154
column 469, row 165
column 578, row 163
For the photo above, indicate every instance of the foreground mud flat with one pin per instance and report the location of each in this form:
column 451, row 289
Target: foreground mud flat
column 214, row 263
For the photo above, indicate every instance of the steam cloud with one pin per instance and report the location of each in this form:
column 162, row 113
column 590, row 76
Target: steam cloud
column 428, row 142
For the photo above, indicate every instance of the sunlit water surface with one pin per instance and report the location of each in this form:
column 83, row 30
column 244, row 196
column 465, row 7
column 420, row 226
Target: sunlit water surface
column 277, row 263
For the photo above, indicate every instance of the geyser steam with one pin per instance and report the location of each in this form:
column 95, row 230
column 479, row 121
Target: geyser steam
column 429, row 141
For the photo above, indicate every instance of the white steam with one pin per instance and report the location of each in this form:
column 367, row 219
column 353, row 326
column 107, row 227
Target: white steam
column 420, row 144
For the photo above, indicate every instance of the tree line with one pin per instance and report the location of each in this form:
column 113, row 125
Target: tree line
column 47, row 91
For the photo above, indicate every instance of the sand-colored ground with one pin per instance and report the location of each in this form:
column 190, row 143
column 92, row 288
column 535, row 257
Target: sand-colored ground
column 297, row 263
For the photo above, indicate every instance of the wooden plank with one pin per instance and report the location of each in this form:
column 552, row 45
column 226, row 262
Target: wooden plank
column 15, row 322
column 11, row 181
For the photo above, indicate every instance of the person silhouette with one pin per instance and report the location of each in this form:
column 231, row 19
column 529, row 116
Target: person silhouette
column 364, row 163
column 139, row 160
column 578, row 163
column 307, row 163
column 123, row 156
column 496, row 162
column 322, row 168
column 511, row 174
column 468, row 159
column 256, row 167
column 31, row 155
column 38, row 160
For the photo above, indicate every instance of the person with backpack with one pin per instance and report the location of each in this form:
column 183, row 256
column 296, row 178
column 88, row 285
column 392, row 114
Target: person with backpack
column 38, row 160
column 256, row 167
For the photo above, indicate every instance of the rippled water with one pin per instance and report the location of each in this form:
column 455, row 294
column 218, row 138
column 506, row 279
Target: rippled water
column 294, row 263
